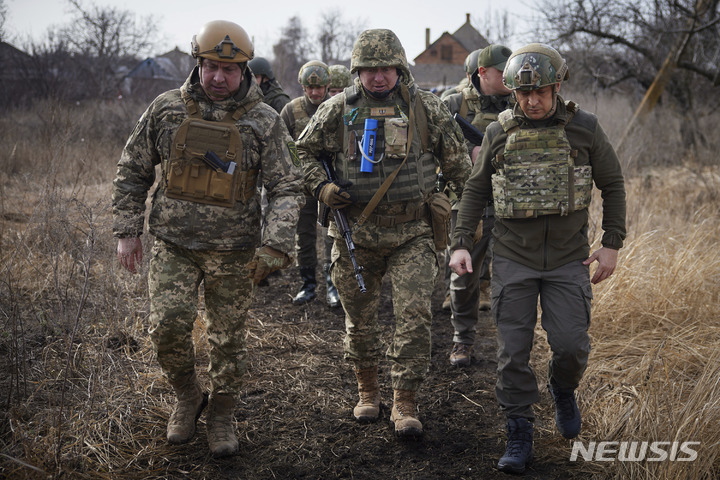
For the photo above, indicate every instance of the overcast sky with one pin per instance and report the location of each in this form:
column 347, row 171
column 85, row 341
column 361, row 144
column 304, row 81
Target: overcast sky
column 178, row 20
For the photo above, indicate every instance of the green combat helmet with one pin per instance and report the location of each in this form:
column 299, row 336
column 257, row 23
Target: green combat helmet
column 379, row 48
column 260, row 66
column 471, row 62
column 340, row 76
column 314, row 74
column 534, row 66
column 222, row 41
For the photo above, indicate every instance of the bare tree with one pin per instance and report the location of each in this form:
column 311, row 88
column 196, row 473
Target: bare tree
column 3, row 18
column 107, row 32
column 625, row 43
column 336, row 37
column 83, row 57
column 292, row 51
column 496, row 27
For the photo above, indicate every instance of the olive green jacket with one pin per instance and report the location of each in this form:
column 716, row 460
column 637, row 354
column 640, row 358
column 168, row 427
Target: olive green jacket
column 549, row 241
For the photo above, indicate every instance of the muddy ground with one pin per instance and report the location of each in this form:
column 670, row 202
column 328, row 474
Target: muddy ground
column 295, row 420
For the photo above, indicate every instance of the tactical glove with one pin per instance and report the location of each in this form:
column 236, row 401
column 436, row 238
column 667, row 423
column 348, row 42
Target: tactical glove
column 266, row 261
column 335, row 195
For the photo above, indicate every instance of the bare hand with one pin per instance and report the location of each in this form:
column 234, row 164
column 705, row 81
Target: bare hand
column 461, row 262
column 130, row 253
column 607, row 261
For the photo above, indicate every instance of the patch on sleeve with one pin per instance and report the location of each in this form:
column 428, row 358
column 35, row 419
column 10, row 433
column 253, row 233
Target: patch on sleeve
column 292, row 148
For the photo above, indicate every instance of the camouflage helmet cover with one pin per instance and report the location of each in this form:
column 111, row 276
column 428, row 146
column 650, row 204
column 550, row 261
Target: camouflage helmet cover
column 340, row 76
column 378, row 48
column 222, row 41
column 534, row 66
column 314, row 74
column 260, row 66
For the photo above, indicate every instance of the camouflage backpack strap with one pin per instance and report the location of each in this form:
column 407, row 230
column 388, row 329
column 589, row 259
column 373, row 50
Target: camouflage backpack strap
column 420, row 121
column 243, row 109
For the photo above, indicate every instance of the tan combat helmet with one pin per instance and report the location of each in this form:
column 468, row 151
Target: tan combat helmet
column 314, row 74
column 222, row 41
column 534, row 66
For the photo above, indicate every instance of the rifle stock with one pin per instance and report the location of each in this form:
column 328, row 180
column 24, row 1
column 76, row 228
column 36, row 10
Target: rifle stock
column 341, row 221
column 470, row 132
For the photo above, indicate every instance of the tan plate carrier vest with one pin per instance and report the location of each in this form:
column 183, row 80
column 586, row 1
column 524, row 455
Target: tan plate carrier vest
column 536, row 174
column 188, row 177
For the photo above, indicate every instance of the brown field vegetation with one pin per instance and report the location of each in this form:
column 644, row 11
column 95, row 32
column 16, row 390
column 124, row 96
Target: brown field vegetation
column 82, row 396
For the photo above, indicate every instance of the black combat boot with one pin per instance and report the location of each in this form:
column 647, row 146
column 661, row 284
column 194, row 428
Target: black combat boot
column 567, row 413
column 519, row 451
column 331, row 296
column 307, row 291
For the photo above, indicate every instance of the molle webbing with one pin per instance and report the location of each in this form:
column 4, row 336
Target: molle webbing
column 536, row 173
column 188, row 177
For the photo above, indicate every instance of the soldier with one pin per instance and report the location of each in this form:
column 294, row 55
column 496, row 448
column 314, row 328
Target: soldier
column 314, row 77
column 391, row 229
column 479, row 103
column 273, row 93
column 541, row 238
column 340, row 79
column 206, row 220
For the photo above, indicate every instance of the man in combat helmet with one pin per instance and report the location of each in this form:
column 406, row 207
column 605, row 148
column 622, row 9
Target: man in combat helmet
column 387, row 207
column 214, row 140
column 479, row 103
column 314, row 77
column 273, row 93
column 340, row 79
column 538, row 163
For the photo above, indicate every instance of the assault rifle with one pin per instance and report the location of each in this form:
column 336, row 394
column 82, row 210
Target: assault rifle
column 341, row 221
column 218, row 165
column 470, row 132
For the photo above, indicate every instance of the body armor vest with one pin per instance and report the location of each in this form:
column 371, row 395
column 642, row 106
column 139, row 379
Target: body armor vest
column 301, row 116
column 536, row 174
column 471, row 102
column 417, row 177
column 188, row 176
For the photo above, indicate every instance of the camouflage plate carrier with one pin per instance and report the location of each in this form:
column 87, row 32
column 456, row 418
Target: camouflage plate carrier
column 536, row 174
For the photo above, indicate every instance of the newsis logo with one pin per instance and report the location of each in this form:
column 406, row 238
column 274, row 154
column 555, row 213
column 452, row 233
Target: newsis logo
column 634, row 451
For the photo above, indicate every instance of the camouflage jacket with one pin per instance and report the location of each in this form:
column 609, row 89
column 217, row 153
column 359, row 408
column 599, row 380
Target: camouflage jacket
column 266, row 147
column 445, row 139
column 547, row 241
column 274, row 95
column 296, row 123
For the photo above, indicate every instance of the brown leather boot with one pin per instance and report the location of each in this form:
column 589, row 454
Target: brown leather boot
column 190, row 403
column 220, row 430
column 403, row 414
column 368, row 407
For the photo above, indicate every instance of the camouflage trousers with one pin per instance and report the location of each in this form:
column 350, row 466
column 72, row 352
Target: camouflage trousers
column 406, row 254
column 306, row 236
column 174, row 280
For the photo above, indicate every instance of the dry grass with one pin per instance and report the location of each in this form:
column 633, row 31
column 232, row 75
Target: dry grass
column 83, row 397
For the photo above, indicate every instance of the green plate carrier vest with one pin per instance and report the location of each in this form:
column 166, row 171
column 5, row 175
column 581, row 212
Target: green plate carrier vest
column 416, row 179
column 536, row 174
column 188, row 177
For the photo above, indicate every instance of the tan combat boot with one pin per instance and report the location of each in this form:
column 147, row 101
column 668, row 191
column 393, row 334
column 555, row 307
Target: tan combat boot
column 220, row 430
column 368, row 407
column 403, row 414
column 190, row 403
